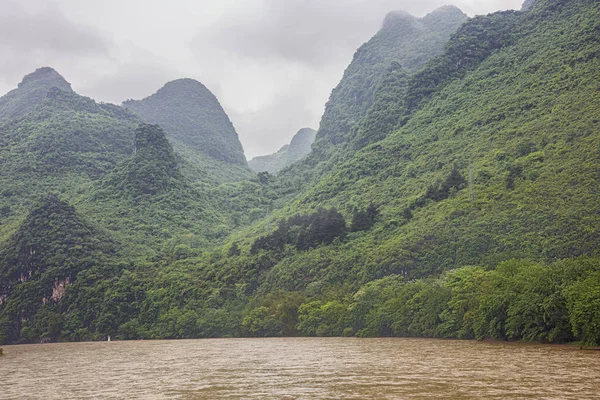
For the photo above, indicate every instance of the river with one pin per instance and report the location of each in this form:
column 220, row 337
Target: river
column 298, row 368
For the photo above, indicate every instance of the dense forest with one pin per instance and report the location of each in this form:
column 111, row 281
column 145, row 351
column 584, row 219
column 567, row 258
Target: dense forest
column 451, row 191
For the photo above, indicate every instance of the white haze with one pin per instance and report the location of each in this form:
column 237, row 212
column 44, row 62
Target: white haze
column 271, row 63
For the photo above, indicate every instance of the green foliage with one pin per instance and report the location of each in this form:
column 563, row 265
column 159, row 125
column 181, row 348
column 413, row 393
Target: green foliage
column 31, row 92
column 483, row 164
column 192, row 117
column 304, row 232
column 363, row 220
column 583, row 299
column 151, row 170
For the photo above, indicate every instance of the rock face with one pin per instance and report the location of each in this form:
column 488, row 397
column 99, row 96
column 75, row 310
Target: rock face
column 192, row 119
column 30, row 92
column 299, row 147
column 50, row 248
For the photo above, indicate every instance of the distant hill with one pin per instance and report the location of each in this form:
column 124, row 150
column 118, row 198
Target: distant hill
column 298, row 148
column 193, row 119
column 31, row 91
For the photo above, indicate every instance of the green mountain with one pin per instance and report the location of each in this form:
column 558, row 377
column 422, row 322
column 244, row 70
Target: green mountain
column 193, row 119
column 151, row 170
column 52, row 246
column 63, row 142
column 298, row 148
column 404, row 39
column 461, row 202
column 401, row 48
column 147, row 200
column 495, row 158
column 31, row 91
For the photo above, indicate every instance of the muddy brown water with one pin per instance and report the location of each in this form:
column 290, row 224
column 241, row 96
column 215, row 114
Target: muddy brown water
column 298, row 368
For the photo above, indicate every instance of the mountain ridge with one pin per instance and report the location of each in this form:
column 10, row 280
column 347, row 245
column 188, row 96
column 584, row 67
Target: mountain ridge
column 30, row 92
column 192, row 117
column 299, row 147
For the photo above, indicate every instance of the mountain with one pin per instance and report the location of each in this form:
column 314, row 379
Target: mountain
column 481, row 159
column 474, row 217
column 40, row 261
column 493, row 163
column 31, row 91
column 298, row 148
column 147, row 200
column 461, row 203
column 57, row 141
column 401, row 48
column 193, row 119
column 152, row 169
column 404, row 39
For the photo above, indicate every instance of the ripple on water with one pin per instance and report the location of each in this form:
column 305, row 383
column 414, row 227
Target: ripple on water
column 299, row 368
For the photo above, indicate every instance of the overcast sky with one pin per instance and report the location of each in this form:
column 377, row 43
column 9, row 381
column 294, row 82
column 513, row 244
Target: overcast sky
column 271, row 63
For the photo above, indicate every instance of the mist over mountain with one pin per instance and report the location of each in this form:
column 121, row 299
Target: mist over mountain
column 30, row 92
column 451, row 192
column 192, row 118
column 404, row 39
column 299, row 147
column 402, row 46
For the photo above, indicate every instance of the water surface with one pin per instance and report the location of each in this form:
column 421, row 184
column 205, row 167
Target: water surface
column 298, row 368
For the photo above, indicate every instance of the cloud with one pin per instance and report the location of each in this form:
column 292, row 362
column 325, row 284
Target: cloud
column 138, row 73
column 43, row 37
column 272, row 124
column 46, row 30
column 271, row 63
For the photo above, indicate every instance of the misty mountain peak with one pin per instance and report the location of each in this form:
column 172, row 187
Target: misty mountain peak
column 184, row 86
column 30, row 92
column 395, row 18
column 47, row 77
column 299, row 147
column 447, row 10
column 304, row 135
column 445, row 16
column 193, row 119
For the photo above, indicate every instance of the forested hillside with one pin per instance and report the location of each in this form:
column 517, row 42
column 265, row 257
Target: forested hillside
column 63, row 141
column 198, row 128
column 459, row 201
column 30, row 92
column 298, row 148
column 403, row 46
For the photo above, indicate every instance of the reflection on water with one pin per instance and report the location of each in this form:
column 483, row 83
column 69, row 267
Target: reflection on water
column 302, row 368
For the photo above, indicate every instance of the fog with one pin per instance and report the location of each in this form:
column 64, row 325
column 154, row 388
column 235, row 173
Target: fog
column 271, row 63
